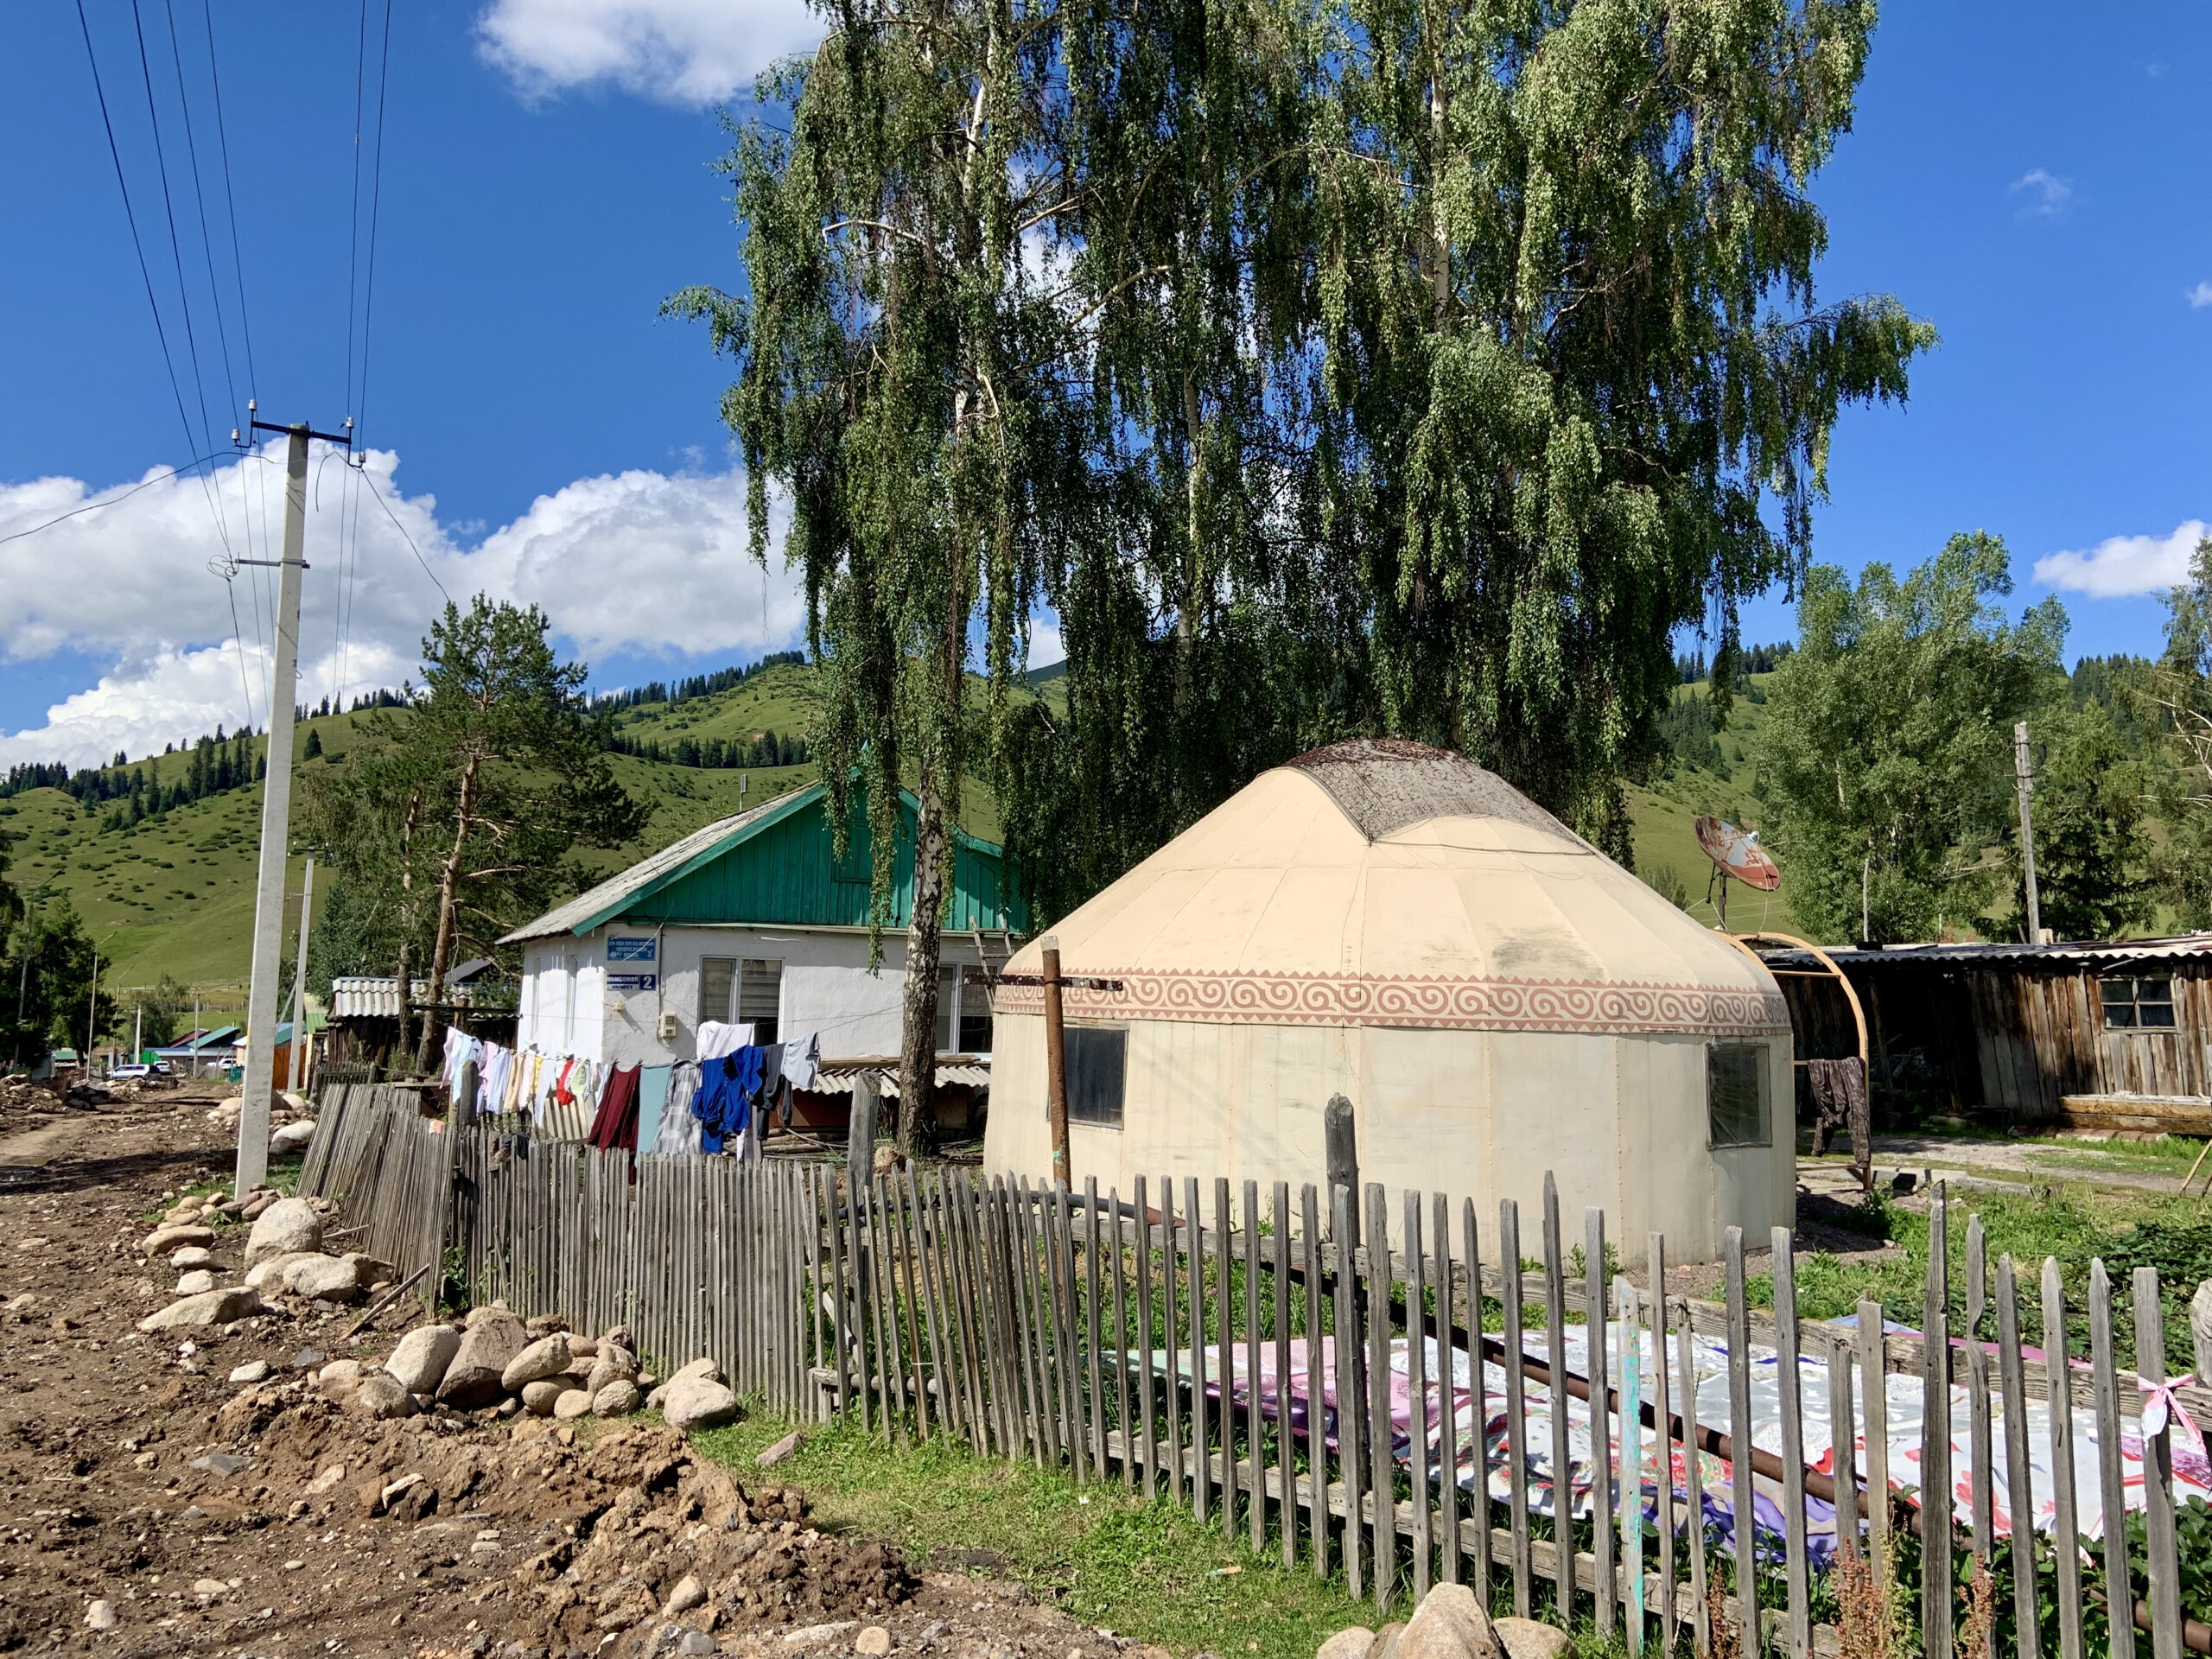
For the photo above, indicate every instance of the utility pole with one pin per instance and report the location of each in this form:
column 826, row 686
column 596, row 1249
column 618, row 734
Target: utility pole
column 300, row 974
column 138, row 1032
column 2024, row 781
column 91, row 1014
column 275, row 810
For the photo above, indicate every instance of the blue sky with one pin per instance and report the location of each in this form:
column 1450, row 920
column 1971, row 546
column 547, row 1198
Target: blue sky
column 2037, row 189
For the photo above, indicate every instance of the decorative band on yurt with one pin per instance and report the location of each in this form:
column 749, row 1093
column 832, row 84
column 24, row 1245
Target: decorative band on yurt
column 1605, row 1007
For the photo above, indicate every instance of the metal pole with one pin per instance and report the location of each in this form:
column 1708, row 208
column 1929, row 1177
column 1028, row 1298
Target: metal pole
column 299, row 977
column 138, row 1032
column 92, row 1016
column 1056, row 1065
column 276, row 833
column 2026, row 783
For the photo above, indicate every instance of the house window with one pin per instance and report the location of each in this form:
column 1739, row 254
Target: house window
column 964, row 1011
column 948, row 1007
column 1097, row 1057
column 717, row 979
column 760, row 997
column 2138, row 1001
column 1735, row 1095
column 748, row 990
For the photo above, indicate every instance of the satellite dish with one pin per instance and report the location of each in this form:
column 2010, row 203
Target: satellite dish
column 1737, row 854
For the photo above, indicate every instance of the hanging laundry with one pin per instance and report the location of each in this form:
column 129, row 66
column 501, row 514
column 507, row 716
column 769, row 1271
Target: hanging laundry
column 728, row 1086
column 615, row 1124
column 803, row 1060
column 652, row 1100
column 679, row 1125
column 718, row 1038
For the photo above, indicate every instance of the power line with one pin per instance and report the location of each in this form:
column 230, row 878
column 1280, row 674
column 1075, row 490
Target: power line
column 200, row 198
column 93, row 506
column 402, row 529
column 354, row 213
column 130, row 213
column 376, row 204
column 222, row 138
column 169, row 204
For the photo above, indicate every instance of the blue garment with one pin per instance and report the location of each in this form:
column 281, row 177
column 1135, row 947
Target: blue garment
column 652, row 1100
column 727, row 1087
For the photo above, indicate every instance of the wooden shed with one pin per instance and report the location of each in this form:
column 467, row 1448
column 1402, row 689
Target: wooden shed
column 2051, row 1034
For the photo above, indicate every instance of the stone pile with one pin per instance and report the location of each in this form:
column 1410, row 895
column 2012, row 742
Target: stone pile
column 494, row 1362
column 283, row 1256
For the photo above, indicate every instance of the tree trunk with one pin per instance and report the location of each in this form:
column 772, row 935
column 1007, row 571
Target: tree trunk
column 405, row 984
column 917, row 1041
column 449, row 877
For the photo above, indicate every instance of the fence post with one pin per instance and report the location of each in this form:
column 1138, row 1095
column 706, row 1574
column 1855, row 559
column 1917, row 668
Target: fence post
column 1936, row 1440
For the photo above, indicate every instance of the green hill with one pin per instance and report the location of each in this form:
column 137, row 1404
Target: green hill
column 173, row 895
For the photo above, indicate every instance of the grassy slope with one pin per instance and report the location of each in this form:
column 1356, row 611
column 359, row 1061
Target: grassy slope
column 1666, row 840
column 175, row 895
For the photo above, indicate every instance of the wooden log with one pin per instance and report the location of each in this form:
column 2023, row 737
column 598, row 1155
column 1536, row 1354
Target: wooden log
column 1796, row 1553
column 1423, row 1541
column 1225, row 1326
column 1935, row 1610
column 1381, row 1472
column 1739, row 1432
column 1556, row 1351
column 1980, row 1434
column 1516, row 1419
column 1447, row 1402
column 2058, row 1398
column 1693, row 1491
column 1349, row 1339
column 2154, row 1427
column 1476, row 1439
column 1279, row 1286
column 1119, row 1247
column 1094, row 1321
column 1654, row 1259
column 1630, row 1347
column 1252, row 1475
column 1147, row 1377
column 1172, row 1325
column 2018, row 1481
column 1316, row 1446
column 1606, row 1516
column 1201, row 1409
column 1875, row 1391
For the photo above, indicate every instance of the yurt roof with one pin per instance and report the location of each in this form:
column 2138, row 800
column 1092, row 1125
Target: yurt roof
column 1387, row 883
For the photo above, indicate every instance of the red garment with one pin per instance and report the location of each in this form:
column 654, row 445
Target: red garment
column 615, row 1124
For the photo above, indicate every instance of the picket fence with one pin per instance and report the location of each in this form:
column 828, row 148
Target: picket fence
column 1090, row 1332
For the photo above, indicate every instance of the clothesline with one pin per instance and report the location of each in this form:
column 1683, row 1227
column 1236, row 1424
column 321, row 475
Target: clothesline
column 566, row 1097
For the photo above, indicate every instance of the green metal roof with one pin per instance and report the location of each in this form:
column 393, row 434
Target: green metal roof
column 775, row 866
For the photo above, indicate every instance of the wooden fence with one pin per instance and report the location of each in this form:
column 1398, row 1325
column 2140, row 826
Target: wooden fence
column 1091, row 1332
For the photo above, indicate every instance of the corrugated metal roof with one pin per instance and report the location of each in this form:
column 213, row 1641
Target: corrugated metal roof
column 366, row 997
column 582, row 913
column 2097, row 951
column 831, row 1079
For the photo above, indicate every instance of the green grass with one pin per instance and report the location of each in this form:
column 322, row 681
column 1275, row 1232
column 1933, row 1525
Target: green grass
column 1105, row 1556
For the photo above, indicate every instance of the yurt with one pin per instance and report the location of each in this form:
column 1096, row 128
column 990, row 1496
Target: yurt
column 1496, row 998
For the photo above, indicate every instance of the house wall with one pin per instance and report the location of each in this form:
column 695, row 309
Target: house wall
column 2041, row 1035
column 1620, row 1121
column 826, row 989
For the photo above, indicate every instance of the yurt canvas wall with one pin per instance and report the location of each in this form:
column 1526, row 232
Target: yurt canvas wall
column 1496, row 999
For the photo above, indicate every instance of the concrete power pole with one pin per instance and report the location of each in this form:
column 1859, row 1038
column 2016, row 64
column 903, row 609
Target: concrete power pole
column 2024, row 781
column 275, row 814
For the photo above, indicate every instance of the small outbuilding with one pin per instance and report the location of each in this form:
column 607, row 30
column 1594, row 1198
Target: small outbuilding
column 1496, row 998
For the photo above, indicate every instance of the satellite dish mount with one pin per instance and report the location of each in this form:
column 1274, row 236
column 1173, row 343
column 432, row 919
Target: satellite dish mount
column 1737, row 855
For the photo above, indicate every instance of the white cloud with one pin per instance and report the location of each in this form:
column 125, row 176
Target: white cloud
column 2123, row 565
column 2200, row 296
column 684, row 52
column 2044, row 194
column 1046, row 647
column 641, row 562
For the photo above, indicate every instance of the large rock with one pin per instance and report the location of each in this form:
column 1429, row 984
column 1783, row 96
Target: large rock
column 173, row 1236
column 538, row 1397
column 542, row 1358
column 697, row 1402
column 193, row 1282
column 339, row 1378
column 1351, row 1642
column 270, row 1275
column 1450, row 1623
column 209, row 1307
column 287, row 1225
column 325, row 1277
column 487, row 1347
column 614, row 1366
column 572, row 1404
column 1526, row 1638
column 422, row 1355
column 618, row 1398
column 191, row 1255
column 380, row 1394
column 293, row 1137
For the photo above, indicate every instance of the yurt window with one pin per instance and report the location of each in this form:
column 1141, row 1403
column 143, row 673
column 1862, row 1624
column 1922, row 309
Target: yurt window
column 1096, row 1061
column 1735, row 1082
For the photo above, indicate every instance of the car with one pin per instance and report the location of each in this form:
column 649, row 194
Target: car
column 164, row 1069
column 126, row 1073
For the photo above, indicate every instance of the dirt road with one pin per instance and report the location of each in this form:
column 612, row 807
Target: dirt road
column 150, row 1504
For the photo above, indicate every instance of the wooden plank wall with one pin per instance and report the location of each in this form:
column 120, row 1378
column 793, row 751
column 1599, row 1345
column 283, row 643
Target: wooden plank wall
column 2042, row 1035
